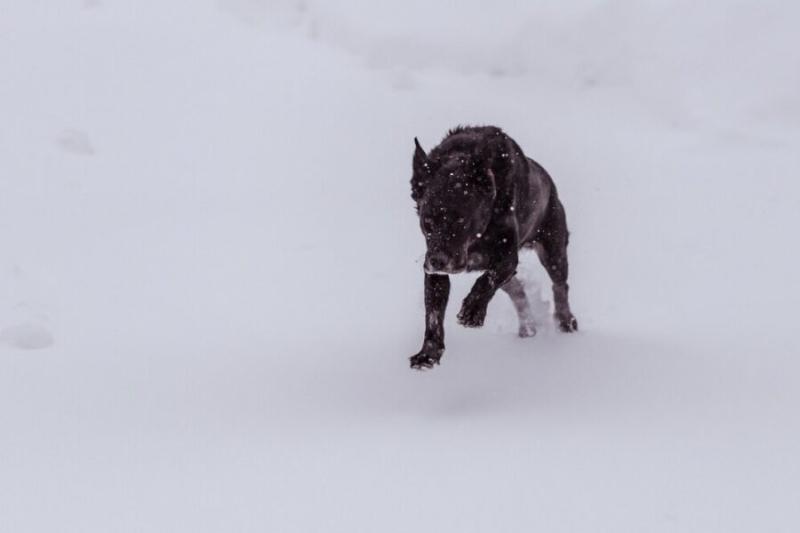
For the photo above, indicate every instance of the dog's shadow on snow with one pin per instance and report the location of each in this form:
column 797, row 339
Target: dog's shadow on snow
column 497, row 374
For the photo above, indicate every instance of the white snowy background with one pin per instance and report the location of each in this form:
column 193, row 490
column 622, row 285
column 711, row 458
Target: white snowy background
column 210, row 276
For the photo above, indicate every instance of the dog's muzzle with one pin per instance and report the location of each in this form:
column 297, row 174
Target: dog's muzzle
column 440, row 262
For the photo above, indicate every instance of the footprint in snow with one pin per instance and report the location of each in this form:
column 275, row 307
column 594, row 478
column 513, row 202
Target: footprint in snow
column 75, row 142
column 26, row 336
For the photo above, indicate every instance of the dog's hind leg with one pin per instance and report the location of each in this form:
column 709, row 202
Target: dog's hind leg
column 515, row 289
column 552, row 238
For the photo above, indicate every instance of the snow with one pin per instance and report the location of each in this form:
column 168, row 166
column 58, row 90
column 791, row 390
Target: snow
column 211, row 275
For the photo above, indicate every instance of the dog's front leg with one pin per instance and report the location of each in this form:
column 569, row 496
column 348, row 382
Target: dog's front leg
column 437, row 292
column 502, row 268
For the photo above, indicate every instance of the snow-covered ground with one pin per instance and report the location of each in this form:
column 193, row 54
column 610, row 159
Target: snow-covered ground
column 210, row 276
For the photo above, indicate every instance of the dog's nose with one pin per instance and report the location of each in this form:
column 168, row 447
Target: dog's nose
column 437, row 261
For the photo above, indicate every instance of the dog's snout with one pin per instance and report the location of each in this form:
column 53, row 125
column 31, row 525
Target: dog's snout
column 444, row 263
column 438, row 261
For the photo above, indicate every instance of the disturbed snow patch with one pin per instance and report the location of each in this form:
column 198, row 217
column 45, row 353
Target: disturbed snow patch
column 26, row 336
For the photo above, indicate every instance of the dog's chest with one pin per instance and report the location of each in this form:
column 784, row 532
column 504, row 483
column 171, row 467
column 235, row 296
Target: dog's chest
column 477, row 257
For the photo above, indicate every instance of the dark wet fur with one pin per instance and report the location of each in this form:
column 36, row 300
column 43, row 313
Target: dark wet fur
column 480, row 200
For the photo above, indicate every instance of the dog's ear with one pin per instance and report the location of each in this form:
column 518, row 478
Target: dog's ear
column 422, row 171
column 420, row 159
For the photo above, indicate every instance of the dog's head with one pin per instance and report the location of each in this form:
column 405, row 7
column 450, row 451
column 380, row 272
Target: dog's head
column 454, row 195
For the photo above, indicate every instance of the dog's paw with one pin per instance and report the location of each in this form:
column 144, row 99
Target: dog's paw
column 472, row 314
column 567, row 324
column 425, row 359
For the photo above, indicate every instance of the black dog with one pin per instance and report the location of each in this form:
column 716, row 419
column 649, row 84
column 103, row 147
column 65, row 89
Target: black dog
column 479, row 201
